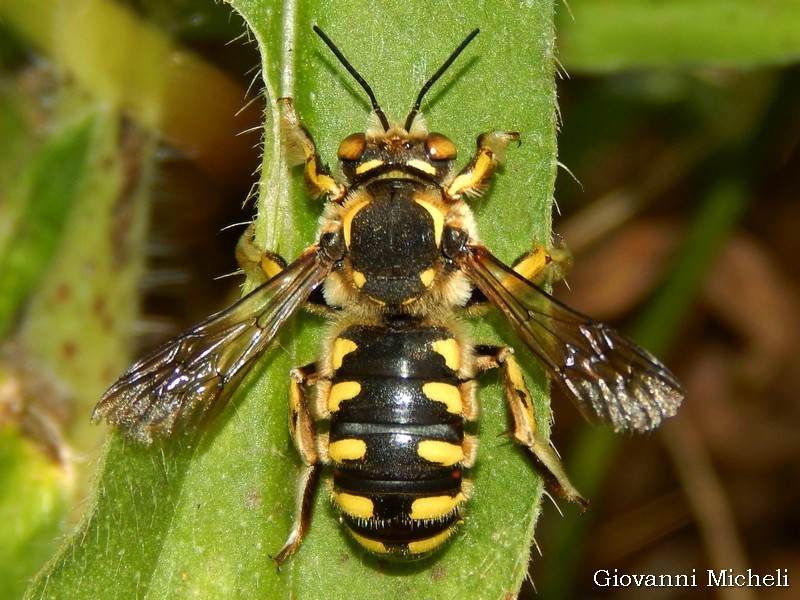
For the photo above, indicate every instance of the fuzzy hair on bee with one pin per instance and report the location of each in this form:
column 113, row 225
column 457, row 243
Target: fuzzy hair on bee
column 390, row 402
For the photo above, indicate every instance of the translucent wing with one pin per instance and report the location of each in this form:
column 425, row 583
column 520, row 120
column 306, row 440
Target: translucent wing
column 608, row 376
column 192, row 376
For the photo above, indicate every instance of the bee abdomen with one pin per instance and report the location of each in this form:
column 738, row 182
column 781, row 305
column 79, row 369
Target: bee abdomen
column 396, row 437
column 399, row 487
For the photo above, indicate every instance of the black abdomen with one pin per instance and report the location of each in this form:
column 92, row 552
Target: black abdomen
column 396, row 435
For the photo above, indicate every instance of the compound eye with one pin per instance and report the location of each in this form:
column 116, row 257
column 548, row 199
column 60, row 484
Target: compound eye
column 439, row 147
column 352, row 147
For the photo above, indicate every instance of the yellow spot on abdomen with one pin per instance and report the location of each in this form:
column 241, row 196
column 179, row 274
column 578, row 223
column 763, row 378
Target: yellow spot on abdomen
column 451, row 352
column 371, row 545
column 447, row 393
column 442, row 453
column 425, row 546
column 346, row 390
column 434, row 507
column 349, row 449
column 341, row 348
column 270, row 266
column 356, row 506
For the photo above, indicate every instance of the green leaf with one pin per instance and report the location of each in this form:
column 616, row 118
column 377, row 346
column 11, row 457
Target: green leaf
column 36, row 213
column 35, row 492
column 631, row 34
column 201, row 517
column 166, row 88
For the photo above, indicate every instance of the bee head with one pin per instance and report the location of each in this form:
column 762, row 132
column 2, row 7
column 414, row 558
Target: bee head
column 384, row 146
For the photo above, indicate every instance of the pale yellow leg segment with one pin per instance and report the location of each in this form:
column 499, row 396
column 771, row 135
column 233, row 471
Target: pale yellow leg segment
column 304, row 436
column 301, row 424
column 300, row 145
column 523, row 423
column 473, row 179
column 543, row 265
column 258, row 265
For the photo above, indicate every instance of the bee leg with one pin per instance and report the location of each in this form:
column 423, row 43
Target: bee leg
column 541, row 265
column 473, row 179
column 545, row 265
column 304, row 436
column 524, row 427
column 301, row 149
column 258, row 265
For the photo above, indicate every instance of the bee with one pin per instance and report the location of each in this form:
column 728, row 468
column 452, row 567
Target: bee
column 396, row 265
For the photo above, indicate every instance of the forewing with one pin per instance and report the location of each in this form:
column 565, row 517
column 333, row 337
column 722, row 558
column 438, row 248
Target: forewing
column 194, row 374
column 608, row 376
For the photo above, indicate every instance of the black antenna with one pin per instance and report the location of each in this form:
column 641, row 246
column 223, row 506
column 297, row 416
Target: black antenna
column 356, row 76
column 435, row 77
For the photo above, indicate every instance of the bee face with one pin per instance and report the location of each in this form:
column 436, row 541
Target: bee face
column 397, row 153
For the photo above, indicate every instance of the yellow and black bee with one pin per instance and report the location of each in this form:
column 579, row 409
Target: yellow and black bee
column 396, row 264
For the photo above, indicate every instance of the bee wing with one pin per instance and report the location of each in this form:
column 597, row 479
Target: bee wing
column 194, row 374
column 609, row 377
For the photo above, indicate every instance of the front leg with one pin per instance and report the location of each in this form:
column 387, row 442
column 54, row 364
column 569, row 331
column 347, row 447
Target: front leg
column 474, row 178
column 319, row 181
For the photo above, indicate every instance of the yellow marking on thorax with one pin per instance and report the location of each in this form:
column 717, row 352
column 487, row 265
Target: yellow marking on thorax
column 359, row 279
column 451, row 352
column 425, row 546
column 341, row 348
column 371, row 545
column 349, row 449
column 442, row 453
column 346, row 390
column 447, row 393
column 409, row 301
column 437, row 216
column 427, row 277
column 368, row 166
column 434, row 507
column 347, row 220
column 356, row 506
column 421, row 165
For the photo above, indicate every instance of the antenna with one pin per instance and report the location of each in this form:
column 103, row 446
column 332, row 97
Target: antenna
column 434, row 78
column 359, row 78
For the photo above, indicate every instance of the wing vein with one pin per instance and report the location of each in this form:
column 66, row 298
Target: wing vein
column 608, row 376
